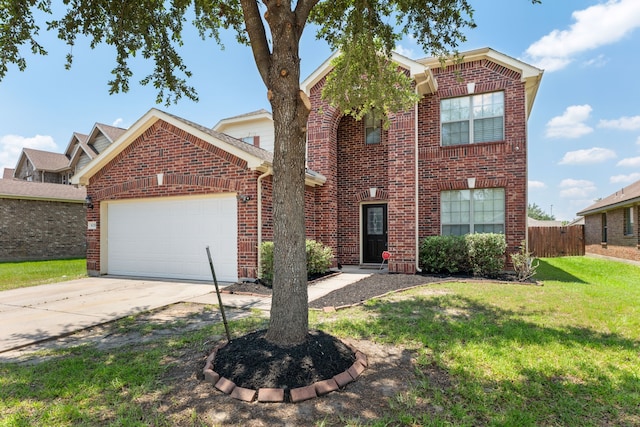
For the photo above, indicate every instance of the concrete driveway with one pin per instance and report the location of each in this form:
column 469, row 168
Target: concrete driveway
column 39, row 313
column 33, row 314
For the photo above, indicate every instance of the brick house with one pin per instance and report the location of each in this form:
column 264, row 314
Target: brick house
column 611, row 225
column 41, row 221
column 454, row 164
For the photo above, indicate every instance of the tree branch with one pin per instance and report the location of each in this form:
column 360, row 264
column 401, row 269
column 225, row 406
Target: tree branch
column 303, row 9
column 258, row 38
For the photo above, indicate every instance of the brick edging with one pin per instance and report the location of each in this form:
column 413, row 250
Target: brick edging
column 278, row 395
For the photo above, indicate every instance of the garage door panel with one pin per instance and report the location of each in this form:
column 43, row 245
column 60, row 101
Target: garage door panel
column 167, row 238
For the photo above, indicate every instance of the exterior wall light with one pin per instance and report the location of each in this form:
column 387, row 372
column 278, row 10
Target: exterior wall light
column 88, row 202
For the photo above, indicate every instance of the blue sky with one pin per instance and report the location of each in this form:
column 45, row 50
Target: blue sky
column 584, row 129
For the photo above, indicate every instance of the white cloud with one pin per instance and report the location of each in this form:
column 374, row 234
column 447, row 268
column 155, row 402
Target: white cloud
column 570, row 123
column 633, row 162
column 11, row 146
column 587, row 157
column 597, row 62
column 118, row 122
column 576, row 188
column 617, row 179
column 623, row 123
column 536, row 185
column 404, row 51
column 595, row 26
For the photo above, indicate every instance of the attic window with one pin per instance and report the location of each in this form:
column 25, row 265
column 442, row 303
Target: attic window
column 253, row 140
column 372, row 128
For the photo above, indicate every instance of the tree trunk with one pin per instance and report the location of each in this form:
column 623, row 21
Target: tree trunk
column 289, row 320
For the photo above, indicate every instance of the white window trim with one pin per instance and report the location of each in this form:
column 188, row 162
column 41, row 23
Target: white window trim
column 471, row 222
column 471, row 120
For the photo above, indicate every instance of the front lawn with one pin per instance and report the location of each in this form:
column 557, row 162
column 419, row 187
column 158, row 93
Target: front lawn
column 566, row 353
column 32, row 273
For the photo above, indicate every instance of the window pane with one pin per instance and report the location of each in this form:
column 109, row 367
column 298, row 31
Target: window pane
column 375, row 217
column 487, row 130
column 488, row 105
column 372, row 128
column 455, row 133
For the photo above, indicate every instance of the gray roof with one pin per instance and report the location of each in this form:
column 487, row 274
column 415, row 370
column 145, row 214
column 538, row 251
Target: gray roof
column 623, row 197
column 19, row 189
column 244, row 146
column 46, row 160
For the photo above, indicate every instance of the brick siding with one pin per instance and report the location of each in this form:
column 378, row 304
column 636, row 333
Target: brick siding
column 618, row 245
column 337, row 150
column 190, row 166
column 41, row 230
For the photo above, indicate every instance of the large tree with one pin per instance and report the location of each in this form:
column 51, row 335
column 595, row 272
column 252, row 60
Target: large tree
column 364, row 31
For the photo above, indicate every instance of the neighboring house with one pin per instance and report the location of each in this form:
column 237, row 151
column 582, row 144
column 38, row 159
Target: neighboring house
column 41, row 221
column 612, row 224
column 255, row 128
column 58, row 168
column 41, row 166
column 454, row 164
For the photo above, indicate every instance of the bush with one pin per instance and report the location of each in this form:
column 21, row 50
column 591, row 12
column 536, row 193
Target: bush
column 523, row 263
column 319, row 259
column 444, row 254
column 480, row 254
column 486, row 253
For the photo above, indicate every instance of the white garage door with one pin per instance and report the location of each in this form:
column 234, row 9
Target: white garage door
column 168, row 238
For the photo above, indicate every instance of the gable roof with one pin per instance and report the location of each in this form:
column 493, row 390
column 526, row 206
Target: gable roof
column 257, row 115
column 44, row 160
column 110, row 132
column 256, row 157
column 627, row 196
column 19, row 189
column 530, row 75
column 425, row 82
column 420, row 71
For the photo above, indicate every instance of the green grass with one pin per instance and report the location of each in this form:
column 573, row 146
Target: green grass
column 32, row 273
column 566, row 353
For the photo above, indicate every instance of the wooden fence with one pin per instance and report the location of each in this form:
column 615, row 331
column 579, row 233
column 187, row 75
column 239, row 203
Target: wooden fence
column 556, row 241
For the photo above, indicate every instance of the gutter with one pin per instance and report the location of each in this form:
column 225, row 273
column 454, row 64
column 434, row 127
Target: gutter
column 416, row 186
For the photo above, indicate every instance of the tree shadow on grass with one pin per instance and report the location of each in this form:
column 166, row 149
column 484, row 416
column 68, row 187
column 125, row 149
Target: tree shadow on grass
column 547, row 271
column 504, row 370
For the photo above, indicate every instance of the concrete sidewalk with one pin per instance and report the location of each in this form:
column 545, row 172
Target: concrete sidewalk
column 38, row 313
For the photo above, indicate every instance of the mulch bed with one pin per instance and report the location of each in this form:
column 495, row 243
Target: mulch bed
column 253, row 362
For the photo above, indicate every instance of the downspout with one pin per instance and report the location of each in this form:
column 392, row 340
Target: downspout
column 416, row 186
column 259, row 195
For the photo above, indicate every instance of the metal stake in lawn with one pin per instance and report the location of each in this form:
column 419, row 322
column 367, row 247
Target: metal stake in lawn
column 215, row 282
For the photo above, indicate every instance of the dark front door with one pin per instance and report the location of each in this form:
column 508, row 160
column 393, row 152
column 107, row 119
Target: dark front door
column 374, row 232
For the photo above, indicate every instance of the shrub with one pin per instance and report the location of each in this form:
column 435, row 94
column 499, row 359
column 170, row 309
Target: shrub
column 444, row 254
column 486, row 253
column 266, row 263
column 319, row 259
column 523, row 263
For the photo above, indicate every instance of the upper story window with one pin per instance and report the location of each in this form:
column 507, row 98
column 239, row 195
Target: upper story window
column 372, row 128
column 628, row 221
column 472, row 119
column 472, row 211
